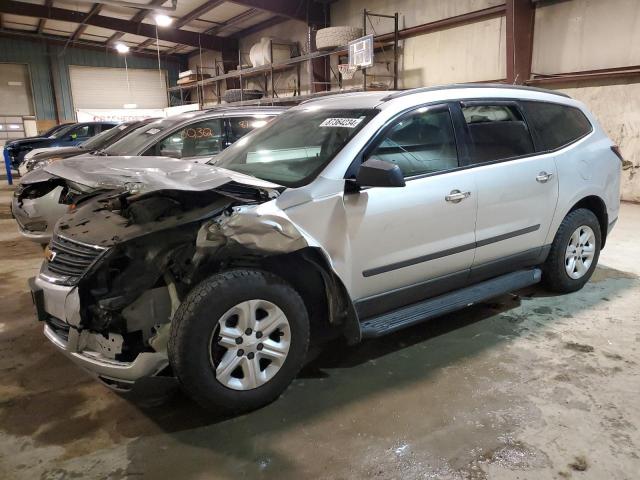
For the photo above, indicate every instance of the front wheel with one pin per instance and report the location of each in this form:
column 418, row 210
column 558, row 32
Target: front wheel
column 238, row 340
column 574, row 253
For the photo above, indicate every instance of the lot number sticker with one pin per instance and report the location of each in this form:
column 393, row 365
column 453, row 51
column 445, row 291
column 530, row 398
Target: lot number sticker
column 341, row 122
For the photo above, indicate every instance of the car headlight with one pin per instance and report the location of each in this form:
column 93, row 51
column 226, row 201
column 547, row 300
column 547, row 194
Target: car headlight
column 41, row 163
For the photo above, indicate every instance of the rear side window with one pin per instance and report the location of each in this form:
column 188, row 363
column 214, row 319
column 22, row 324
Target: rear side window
column 497, row 132
column 556, row 125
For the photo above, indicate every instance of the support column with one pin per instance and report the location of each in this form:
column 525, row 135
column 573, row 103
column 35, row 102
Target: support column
column 520, row 18
column 320, row 67
column 230, row 60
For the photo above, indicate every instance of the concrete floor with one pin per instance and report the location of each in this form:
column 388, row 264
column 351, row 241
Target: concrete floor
column 529, row 386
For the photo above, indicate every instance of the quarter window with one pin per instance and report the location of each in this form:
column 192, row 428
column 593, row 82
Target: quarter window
column 556, row 125
column 421, row 142
column 195, row 140
column 497, row 132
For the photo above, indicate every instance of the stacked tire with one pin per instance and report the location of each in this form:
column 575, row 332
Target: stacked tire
column 334, row 37
column 238, row 94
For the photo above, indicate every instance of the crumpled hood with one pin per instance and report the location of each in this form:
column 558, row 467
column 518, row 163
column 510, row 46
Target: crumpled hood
column 54, row 152
column 148, row 173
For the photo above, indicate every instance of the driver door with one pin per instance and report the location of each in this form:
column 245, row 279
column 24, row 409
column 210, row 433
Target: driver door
column 410, row 243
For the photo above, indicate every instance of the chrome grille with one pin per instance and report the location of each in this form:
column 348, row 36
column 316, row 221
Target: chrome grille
column 69, row 258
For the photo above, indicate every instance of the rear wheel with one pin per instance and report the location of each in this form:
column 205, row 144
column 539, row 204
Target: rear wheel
column 239, row 339
column 574, row 253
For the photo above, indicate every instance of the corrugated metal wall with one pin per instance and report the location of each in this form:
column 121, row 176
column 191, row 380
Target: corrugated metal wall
column 34, row 53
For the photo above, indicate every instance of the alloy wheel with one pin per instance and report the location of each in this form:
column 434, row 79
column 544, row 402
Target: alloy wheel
column 580, row 252
column 250, row 344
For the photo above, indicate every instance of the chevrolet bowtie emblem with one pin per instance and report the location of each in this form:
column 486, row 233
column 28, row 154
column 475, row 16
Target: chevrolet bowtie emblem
column 49, row 254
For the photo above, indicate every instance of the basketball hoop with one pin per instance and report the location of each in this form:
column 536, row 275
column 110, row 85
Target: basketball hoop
column 347, row 71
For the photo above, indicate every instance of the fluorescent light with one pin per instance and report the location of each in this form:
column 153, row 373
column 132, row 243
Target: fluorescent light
column 130, row 105
column 14, row 127
column 163, row 20
column 122, row 48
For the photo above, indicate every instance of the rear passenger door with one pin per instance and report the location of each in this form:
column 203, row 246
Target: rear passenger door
column 517, row 188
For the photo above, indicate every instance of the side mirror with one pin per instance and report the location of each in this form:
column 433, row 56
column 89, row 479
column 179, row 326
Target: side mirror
column 378, row 173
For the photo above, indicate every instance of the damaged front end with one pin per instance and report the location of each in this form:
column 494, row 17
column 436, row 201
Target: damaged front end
column 119, row 266
column 40, row 200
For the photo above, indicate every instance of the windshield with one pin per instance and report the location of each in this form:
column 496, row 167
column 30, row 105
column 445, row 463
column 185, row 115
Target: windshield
column 293, row 148
column 132, row 143
column 105, row 138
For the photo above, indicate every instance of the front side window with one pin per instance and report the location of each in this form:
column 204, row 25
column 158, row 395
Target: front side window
column 497, row 132
column 421, row 142
column 292, row 149
column 83, row 131
column 556, row 125
column 240, row 126
column 195, row 140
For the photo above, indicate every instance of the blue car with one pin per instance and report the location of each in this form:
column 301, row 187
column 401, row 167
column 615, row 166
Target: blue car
column 67, row 136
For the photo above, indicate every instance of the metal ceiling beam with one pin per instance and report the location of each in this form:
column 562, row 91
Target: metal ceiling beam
column 246, row 15
column 137, row 18
column 42, row 21
column 58, row 40
column 83, row 26
column 270, row 22
column 146, row 30
column 201, row 10
column 308, row 11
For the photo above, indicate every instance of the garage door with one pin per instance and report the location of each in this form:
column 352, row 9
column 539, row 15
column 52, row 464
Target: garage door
column 100, row 87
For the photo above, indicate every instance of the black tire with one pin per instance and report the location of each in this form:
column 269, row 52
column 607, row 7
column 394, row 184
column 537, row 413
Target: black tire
column 196, row 319
column 236, row 95
column 555, row 275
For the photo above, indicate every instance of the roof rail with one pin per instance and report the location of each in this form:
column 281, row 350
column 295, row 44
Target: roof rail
column 436, row 88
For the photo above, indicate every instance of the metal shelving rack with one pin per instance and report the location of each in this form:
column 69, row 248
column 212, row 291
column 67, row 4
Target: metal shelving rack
column 294, row 63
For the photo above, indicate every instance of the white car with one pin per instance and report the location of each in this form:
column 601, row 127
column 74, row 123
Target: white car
column 355, row 215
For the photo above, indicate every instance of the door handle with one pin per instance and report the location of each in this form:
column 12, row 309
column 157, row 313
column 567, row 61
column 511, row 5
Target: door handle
column 456, row 196
column 544, row 177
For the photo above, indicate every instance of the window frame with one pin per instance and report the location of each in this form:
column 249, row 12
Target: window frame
column 381, row 133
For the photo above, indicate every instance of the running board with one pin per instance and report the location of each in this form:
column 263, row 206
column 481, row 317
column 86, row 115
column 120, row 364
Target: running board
column 449, row 302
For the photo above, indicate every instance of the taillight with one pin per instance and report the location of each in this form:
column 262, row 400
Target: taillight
column 616, row 149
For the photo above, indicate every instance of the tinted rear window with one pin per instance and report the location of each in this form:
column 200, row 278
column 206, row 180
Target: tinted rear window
column 556, row 125
column 497, row 132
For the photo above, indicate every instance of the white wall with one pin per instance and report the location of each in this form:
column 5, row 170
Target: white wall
column 468, row 53
column 411, row 12
column 586, row 35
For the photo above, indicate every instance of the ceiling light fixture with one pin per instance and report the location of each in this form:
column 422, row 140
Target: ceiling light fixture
column 122, row 48
column 163, row 20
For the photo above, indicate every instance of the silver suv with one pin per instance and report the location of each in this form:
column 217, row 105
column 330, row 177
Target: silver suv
column 353, row 215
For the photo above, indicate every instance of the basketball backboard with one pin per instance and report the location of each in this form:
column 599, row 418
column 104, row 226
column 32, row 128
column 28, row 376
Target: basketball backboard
column 361, row 52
